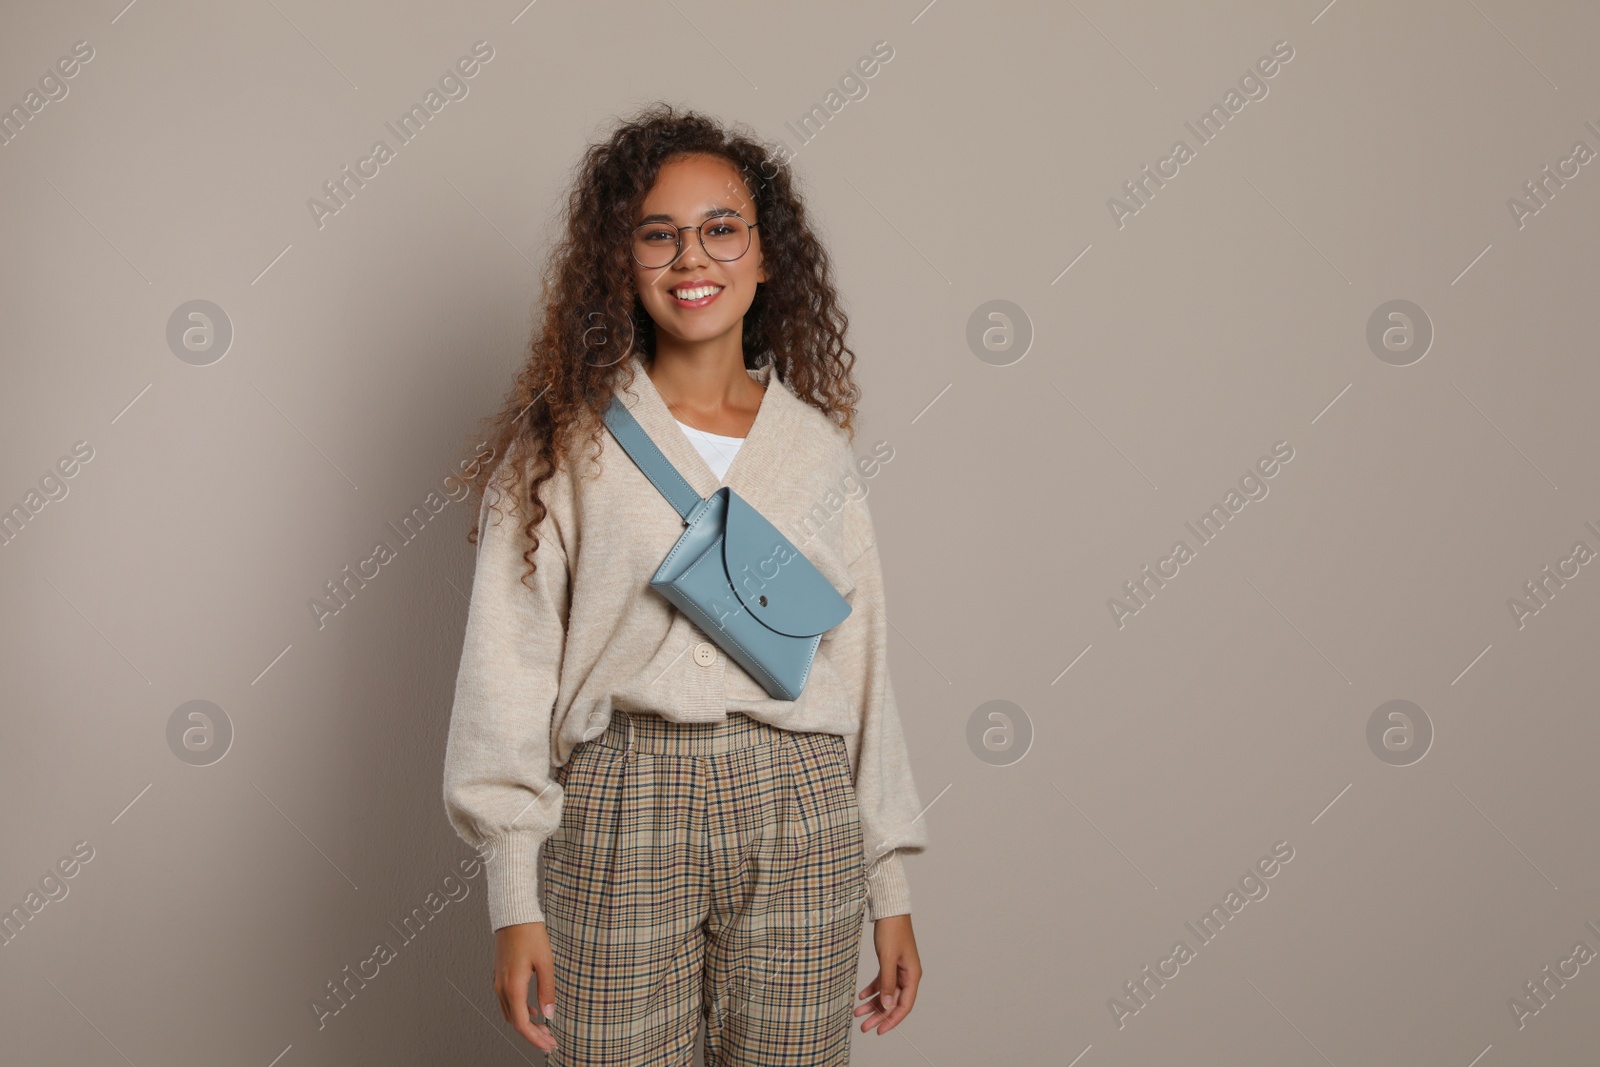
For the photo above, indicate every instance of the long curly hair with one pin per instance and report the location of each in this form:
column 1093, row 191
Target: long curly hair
column 593, row 317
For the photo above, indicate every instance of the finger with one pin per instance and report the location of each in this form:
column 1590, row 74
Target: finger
column 545, row 991
column 545, row 997
column 544, row 1039
column 869, row 1006
column 502, row 992
column 868, row 994
column 902, row 1008
column 911, row 977
column 516, row 984
column 887, row 982
column 874, row 1011
column 537, row 1035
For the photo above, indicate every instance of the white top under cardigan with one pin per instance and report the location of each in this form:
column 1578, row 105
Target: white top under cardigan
column 544, row 663
column 718, row 451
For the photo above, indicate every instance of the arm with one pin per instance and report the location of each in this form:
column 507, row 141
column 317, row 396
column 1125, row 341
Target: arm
column 885, row 790
column 499, row 789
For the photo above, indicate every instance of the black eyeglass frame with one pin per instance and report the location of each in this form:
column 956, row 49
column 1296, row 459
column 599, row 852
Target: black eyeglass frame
column 697, row 229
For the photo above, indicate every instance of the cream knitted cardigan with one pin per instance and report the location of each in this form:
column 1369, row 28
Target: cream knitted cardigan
column 542, row 669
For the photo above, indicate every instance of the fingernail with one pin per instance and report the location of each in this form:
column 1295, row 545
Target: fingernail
column 888, row 1000
column 549, row 1011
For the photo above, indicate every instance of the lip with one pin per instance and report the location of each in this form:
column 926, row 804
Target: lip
column 702, row 302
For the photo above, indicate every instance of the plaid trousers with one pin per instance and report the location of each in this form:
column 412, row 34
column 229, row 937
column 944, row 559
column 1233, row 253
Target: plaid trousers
column 707, row 873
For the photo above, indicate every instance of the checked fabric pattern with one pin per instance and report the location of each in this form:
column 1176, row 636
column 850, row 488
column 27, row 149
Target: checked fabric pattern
column 705, row 873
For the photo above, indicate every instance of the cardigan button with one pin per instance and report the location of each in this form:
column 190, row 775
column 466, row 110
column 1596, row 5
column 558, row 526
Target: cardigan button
column 705, row 653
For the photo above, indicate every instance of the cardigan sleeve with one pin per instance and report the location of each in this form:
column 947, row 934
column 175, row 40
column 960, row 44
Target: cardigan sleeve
column 500, row 790
column 891, row 812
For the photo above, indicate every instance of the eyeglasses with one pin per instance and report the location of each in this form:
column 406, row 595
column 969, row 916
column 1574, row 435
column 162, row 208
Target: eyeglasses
column 724, row 238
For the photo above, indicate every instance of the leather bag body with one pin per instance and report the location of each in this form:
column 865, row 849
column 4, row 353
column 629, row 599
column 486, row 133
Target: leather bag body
column 735, row 575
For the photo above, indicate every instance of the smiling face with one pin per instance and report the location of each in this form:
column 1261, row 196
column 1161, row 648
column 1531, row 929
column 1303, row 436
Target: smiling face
column 694, row 191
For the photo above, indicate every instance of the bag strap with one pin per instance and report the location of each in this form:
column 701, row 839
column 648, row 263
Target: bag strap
column 651, row 460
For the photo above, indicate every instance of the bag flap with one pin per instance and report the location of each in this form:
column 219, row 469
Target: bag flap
column 774, row 580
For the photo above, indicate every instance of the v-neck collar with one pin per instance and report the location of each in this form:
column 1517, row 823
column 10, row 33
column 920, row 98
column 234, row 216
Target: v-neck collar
column 757, row 459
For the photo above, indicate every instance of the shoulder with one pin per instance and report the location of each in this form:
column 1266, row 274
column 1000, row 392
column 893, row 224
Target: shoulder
column 508, row 489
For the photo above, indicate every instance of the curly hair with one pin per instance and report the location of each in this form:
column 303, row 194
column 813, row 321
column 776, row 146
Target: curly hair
column 795, row 322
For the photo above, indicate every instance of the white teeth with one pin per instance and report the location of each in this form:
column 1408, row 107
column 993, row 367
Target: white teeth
column 696, row 294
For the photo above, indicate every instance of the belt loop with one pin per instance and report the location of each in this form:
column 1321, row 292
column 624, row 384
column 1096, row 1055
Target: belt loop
column 630, row 737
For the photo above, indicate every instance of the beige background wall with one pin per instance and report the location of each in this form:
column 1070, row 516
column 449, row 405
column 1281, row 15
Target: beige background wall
column 1141, row 768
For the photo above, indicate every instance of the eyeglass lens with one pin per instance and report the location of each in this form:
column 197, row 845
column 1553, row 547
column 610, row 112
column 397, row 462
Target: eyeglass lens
column 725, row 238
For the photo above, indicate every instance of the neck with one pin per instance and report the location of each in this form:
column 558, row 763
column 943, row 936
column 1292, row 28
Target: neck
column 703, row 382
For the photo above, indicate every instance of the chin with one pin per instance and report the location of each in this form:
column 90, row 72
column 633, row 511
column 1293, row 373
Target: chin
column 697, row 336
column 687, row 328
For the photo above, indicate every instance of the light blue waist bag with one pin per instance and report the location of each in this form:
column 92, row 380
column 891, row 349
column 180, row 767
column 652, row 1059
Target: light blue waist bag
column 734, row 575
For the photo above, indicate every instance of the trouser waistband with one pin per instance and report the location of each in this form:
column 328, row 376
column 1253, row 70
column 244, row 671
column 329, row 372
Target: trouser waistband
column 643, row 731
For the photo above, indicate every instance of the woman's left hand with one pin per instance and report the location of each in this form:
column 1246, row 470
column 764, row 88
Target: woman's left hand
column 889, row 996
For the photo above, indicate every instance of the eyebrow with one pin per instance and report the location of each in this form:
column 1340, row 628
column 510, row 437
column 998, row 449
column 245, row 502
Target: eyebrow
column 710, row 213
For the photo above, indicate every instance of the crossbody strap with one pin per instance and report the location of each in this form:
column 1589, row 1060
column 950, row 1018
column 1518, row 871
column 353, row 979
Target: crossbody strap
column 651, row 460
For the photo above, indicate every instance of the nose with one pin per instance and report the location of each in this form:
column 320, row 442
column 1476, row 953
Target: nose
column 694, row 253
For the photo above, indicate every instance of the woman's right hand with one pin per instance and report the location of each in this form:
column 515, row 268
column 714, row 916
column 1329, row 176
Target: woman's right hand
column 520, row 951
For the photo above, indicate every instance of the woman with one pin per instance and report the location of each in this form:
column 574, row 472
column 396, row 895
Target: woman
column 668, row 844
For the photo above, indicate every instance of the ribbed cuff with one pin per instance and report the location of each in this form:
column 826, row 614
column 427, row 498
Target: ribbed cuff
column 888, row 893
column 512, row 876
